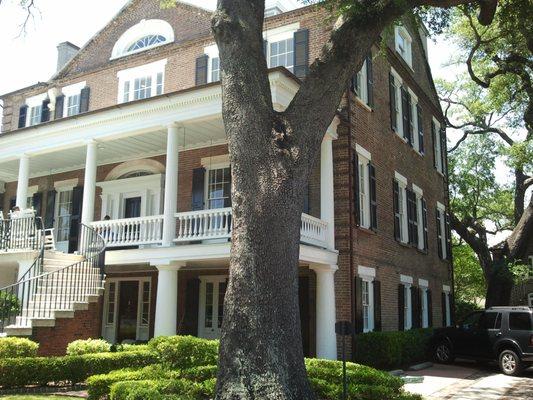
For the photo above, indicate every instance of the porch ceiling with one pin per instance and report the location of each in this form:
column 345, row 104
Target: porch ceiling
column 192, row 135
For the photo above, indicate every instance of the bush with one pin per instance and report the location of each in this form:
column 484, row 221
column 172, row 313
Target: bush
column 13, row 347
column 185, row 352
column 88, row 346
column 388, row 350
column 17, row 372
column 130, row 347
column 9, row 304
column 176, row 389
column 463, row 308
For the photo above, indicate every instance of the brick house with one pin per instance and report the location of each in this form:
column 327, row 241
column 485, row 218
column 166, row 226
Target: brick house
column 127, row 138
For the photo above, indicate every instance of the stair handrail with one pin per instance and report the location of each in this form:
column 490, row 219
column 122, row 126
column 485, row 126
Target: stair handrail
column 58, row 289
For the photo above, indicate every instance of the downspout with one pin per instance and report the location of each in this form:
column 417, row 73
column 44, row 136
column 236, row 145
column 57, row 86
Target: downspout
column 351, row 211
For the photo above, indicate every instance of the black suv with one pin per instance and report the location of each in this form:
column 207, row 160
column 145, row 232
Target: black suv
column 504, row 334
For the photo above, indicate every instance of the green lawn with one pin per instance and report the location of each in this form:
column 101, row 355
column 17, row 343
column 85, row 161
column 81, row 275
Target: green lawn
column 39, row 397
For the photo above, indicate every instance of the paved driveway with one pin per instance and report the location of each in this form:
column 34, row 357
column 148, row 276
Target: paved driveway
column 468, row 381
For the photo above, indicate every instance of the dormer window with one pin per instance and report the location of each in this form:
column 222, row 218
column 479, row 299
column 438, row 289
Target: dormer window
column 403, row 42
column 141, row 82
column 147, row 34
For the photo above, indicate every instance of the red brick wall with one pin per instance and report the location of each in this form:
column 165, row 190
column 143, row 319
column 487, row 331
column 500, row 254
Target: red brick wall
column 86, row 324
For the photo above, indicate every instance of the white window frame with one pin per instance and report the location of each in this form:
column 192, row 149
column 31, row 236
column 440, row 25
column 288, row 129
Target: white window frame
column 402, row 33
column 364, row 158
column 212, row 53
column 407, row 282
column 368, row 276
column 438, row 146
column 402, row 199
column 215, row 332
column 441, row 208
column 362, row 83
column 398, row 82
column 414, row 119
column 208, row 169
column 446, row 289
column 144, row 71
column 71, row 91
column 424, row 287
column 34, row 103
column 277, row 35
column 530, row 299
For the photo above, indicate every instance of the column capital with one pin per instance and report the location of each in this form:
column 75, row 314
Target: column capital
column 91, row 142
column 331, row 132
column 323, row 268
column 170, row 267
column 173, row 125
column 24, row 156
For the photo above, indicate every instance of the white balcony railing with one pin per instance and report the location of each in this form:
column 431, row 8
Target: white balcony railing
column 131, row 231
column 192, row 226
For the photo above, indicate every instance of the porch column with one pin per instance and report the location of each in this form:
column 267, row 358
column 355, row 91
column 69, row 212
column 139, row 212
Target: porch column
column 22, row 184
column 166, row 306
column 327, row 209
column 171, row 186
column 89, row 184
column 326, row 339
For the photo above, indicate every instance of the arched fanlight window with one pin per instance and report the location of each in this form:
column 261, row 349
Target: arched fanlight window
column 147, row 41
column 135, row 174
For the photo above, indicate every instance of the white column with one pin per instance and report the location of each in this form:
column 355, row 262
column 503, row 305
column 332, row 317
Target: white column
column 89, row 184
column 22, row 184
column 166, row 306
column 326, row 339
column 327, row 207
column 171, row 186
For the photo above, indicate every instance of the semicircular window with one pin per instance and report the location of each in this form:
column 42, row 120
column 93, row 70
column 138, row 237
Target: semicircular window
column 147, row 41
column 135, row 174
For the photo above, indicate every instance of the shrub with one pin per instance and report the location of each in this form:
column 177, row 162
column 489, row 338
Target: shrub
column 88, row 346
column 185, row 352
column 463, row 308
column 13, row 347
column 388, row 350
column 17, row 372
column 132, row 347
column 175, row 389
column 9, row 304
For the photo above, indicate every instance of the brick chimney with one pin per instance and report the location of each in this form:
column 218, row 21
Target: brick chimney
column 65, row 52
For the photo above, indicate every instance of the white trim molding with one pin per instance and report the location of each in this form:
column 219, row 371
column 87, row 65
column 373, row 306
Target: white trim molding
column 144, row 28
column 406, row 279
column 366, row 272
column 446, row 288
column 423, row 283
column 146, row 165
column 400, row 178
column 363, row 152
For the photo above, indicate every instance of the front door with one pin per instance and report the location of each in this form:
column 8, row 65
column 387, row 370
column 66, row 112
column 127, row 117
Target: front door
column 63, row 213
column 211, row 310
column 128, row 310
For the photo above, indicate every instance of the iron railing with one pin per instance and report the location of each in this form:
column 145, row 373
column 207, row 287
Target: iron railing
column 42, row 293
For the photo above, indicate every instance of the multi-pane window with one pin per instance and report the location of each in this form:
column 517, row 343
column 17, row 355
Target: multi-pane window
column 438, row 150
column 362, row 83
column 63, row 215
column 221, row 295
column 145, row 42
column 111, row 303
column 424, row 304
column 159, row 84
column 209, row 286
column 407, row 304
column 145, row 306
column 422, row 226
column 401, row 226
column 282, row 54
column 215, row 69
column 219, row 188
column 73, row 105
column 367, row 302
column 395, row 93
column 441, row 232
column 403, row 43
column 365, row 192
column 142, row 88
column 35, row 115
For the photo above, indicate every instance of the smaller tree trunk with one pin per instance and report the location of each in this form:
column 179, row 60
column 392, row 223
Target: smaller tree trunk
column 499, row 285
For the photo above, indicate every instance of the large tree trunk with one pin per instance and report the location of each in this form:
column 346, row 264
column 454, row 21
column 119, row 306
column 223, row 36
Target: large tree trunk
column 499, row 284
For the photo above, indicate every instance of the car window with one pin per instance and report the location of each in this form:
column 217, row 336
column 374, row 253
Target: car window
column 520, row 321
column 488, row 320
column 471, row 320
column 498, row 321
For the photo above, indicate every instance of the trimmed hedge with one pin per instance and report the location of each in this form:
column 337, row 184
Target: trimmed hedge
column 185, row 352
column 17, row 372
column 13, row 347
column 176, row 389
column 88, row 346
column 389, row 350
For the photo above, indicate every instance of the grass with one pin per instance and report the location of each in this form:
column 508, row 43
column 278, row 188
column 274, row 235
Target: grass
column 39, row 397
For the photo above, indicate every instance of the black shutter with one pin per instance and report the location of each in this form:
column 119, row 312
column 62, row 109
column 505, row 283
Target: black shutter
column 357, row 208
column 443, row 308
column 75, row 218
column 415, row 307
column 84, row 99
column 60, row 103
column 359, row 324
column 301, row 53
column 405, row 114
column 373, row 197
column 305, row 317
column 23, row 113
column 201, row 69
column 50, row 209
column 434, row 138
column 355, row 84
column 12, row 203
column 227, row 201
column 45, row 111
column 430, row 308
column 198, row 181
column 37, row 203
column 377, row 305
column 392, row 99
column 420, row 129
column 444, row 151
column 370, row 80
column 439, row 234
column 401, row 307
column 425, row 223
column 448, row 238
column 192, row 300
column 396, row 204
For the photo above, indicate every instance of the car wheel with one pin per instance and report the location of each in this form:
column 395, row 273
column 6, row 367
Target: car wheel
column 443, row 353
column 510, row 363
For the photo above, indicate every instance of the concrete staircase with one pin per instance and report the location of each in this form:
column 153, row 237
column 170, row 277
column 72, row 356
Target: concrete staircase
column 67, row 284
